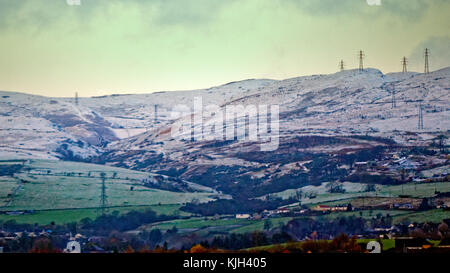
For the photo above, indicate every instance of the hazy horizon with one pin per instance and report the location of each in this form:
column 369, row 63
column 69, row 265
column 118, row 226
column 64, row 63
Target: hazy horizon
column 106, row 93
column 103, row 47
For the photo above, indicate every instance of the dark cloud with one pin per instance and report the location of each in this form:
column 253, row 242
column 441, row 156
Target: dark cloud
column 8, row 9
column 39, row 14
column 165, row 12
column 31, row 13
column 176, row 12
column 412, row 9
column 409, row 9
column 330, row 7
column 169, row 12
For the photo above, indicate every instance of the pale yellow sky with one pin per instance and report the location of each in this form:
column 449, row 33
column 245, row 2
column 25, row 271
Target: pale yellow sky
column 102, row 47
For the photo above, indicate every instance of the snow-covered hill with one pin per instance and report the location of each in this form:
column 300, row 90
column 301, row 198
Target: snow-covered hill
column 345, row 103
column 48, row 128
column 324, row 122
column 40, row 127
column 331, row 115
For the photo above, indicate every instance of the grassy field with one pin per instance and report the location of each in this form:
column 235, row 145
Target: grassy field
column 434, row 216
column 44, row 184
column 386, row 245
column 64, row 216
column 366, row 214
column 418, row 190
column 398, row 216
column 8, row 185
column 230, row 225
column 201, row 223
column 258, row 225
column 70, row 191
column 354, row 190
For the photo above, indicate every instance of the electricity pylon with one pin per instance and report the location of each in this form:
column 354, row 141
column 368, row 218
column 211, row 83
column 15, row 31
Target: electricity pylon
column 394, row 103
column 404, row 64
column 427, row 65
column 341, row 65
column 103, row 197
column 420, row 123
column 361, row 58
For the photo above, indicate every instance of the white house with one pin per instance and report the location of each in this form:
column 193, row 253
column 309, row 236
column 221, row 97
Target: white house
column 242, row 216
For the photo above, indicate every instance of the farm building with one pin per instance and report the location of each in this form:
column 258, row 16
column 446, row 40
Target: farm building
column 242, row 216
column 321, row 208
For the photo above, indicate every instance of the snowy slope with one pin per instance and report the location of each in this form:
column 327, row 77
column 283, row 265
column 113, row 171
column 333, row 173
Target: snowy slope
column 342, row 104
column 36, row 127
column 48, row 128
column 345, row 103
column 323, row 118
column 353, row 102
column 130, row 115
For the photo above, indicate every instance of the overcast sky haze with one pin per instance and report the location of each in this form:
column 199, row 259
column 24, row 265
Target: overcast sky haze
column 50, row 48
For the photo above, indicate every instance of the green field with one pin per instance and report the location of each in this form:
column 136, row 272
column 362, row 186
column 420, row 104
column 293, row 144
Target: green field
column 64, row 216
column 434, row 216
column 366, row 214
column 8, row 185
column 258, row 225
column 418, row 190
column 68, row 191
column 201, row 223
column 386, row 245
column 207, row 223
column 354, row 190
column 62, row 192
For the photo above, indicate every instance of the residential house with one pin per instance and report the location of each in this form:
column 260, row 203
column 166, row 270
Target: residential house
column 242, row 216
column 322, row 208
column 283, row 211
